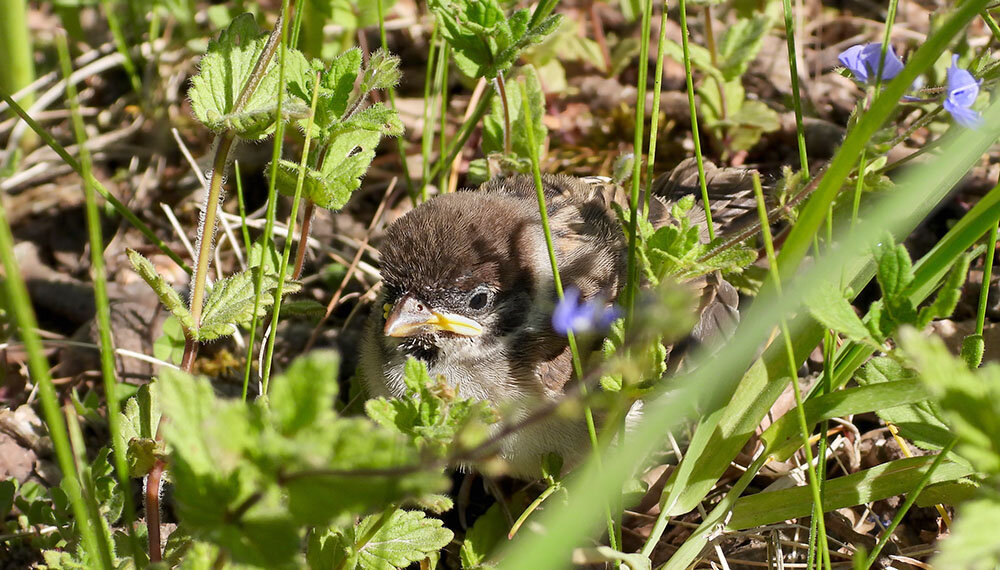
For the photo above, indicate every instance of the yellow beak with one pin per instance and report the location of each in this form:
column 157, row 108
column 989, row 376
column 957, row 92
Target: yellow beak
column 410, row 317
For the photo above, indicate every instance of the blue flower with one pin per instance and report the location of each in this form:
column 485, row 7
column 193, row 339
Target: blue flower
column 962, row 92
column 570, row 315
column 862, row 61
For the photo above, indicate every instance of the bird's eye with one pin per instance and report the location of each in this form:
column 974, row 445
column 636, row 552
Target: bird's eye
column 478, row 299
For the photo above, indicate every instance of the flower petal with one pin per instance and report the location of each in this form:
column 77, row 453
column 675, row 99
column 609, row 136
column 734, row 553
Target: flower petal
column 963, row 115
column 962, row 86
column 851, row 59
column 870, row 56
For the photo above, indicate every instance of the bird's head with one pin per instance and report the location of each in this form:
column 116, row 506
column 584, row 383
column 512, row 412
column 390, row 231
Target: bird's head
column 459, row 271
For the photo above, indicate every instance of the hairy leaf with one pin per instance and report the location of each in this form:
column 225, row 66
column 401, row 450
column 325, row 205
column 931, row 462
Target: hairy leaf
column 225, row 69
column 231, row 301
column 168, row 296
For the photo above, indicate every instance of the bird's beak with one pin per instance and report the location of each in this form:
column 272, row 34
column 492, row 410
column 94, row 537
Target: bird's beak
column 410, row 317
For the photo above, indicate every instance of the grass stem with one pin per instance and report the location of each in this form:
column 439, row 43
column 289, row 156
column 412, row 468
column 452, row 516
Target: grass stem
column 695, row 137
column 102, row 312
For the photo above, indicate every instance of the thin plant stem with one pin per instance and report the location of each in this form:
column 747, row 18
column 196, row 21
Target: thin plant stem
column 303, row 245
column 79, row 449
column 505, row 103
column 101, row 303
column 552, row 488
column 122, row 46
column 463, row 133
column 426, row 140
column 632, row 283
column 694, row 119
column 984, row 292
column 714, row 56
column 19, row 304
column 557, row 282
column 18, row 69
column 292, row 218
column 910, row 499
column 654, row 119
column 793, row 66
column 152, row 499
column 991, row 24
column 441, row 82
column 400, row 141
column 792, row 369
column 119, row 208
column 272, row 201
column 242, row 206
column 206, row 238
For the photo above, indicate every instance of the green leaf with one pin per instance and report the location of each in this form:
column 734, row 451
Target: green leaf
column 431, row 415
column 347, row 159
column 481, row 541
column 484, row 40
column 304, row 395
column 919, row 421
column 231, row 301
column 139, row 420
column 493, row 124
column 168, row 296
column 382, row 72
column 783, row 437
column 407, row 537
column 894, row 271
column 351, row 470
column 880, row 482
column 169, row 347
column 973, row 544
column 948, row 295
column 8, row 487
column 741, row 43
column 225, row 69
column 828, row 306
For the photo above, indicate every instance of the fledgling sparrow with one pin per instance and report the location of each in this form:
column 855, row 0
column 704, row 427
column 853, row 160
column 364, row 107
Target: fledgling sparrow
column 468, row 289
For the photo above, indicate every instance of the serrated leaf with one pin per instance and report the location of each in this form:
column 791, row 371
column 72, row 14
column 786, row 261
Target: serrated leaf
column 382, row 72
column 484, row 40
column 345, row 482
column 379, row 118
column 225, row 69
column 894, row 271
column 347, row 159
column 407, row 537
column 948, row 295
column 304, row 395
column 231, row 301
column 741, row 43
column 828, row 306
column 168, row 296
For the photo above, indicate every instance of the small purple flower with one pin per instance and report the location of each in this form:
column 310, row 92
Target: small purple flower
column 862, row 61
column 962, row 92
column 572, row 316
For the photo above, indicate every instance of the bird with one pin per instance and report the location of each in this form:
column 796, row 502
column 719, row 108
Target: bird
column 468, row 288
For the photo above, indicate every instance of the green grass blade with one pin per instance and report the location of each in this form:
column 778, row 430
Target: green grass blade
column 880, row 482
column 101, row 303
